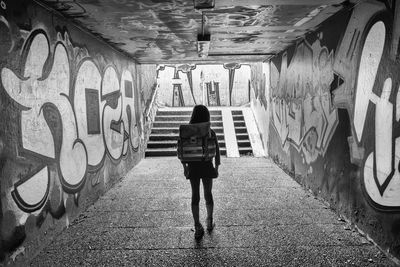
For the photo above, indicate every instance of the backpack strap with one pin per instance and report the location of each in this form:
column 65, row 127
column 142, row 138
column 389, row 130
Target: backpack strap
column 205, row 147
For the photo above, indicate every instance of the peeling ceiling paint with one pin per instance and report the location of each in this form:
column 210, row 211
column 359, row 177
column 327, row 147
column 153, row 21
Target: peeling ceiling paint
column 165, row 31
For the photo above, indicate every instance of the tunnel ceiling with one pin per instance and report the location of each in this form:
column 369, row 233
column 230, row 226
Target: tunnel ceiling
column 166, row 31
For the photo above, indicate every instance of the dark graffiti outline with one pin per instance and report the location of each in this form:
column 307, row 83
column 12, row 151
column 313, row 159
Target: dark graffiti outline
column 26, row 207
column 4, row 20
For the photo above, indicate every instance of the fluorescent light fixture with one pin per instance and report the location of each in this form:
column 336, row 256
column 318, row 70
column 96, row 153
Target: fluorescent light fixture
column 302, row 21
column 204, row 4
column 203, row 45
column 310, row 16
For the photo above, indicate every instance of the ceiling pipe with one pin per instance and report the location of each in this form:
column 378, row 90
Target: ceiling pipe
column 203, row 40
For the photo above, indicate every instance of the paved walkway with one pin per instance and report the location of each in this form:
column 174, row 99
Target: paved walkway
column 263, row 218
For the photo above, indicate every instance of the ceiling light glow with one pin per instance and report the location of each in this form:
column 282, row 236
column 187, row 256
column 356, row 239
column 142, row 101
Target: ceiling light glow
column 310, row 16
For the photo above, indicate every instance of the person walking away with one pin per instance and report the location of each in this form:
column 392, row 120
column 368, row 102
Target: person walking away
column 204, row 171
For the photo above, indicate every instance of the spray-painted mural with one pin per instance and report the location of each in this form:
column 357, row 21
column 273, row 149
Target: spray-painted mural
column 211, row 85
column 302, row 112
column 335, row 112
column 70, row 124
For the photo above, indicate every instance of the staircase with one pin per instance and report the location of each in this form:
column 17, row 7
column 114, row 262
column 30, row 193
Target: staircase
column 164, row 134
column 242, row 136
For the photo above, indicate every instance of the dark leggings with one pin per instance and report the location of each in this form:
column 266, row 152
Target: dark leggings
column 207, row 186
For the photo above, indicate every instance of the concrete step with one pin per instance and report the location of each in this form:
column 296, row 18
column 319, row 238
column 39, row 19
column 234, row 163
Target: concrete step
column 237, row 113
column 183, row 112
column 164, row 135
column 174, row 136
column 241, row 129
column 244, row 143
column 239, row 123
column 171, row 143
column 171, row 151
column 176, row 124
column 242, row 136
column 245, row 151
column 238, row 117
column 185, row 118
column 152, row 152
column 168, row 130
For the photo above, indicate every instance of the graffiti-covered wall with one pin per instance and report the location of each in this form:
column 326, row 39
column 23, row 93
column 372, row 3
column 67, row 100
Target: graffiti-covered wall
column 259, row 100
column 211, row 85
column 70, row 124
column 334, row 106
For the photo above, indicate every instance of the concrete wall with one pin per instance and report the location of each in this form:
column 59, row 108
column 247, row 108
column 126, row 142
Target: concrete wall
column 71, row 122
column 149, row 97
column 148, row 82
column 334, row 111
column 224, row 85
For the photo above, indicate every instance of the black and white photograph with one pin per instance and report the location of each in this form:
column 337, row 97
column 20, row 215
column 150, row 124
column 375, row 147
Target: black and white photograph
column 200, row 133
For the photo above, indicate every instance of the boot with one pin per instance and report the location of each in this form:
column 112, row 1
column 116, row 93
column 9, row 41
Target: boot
column 209, row 220
column 198, row 231
column 198, row 228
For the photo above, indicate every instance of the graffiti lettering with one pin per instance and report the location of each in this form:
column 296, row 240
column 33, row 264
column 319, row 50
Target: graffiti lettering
column 113, row 127
column 306, row 125
column 70, row 130
column 222, row 85
column 370, row 59
column 380, row 171
column 87, row 110
column 302, row 113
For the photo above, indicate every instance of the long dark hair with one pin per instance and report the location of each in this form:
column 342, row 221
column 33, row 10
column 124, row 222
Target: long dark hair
column 200, row 114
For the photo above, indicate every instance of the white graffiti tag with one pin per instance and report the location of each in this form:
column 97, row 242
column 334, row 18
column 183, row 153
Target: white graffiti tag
column 381, row 176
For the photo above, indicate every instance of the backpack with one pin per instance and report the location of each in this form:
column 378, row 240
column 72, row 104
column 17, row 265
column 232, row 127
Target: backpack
column 196, row 142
